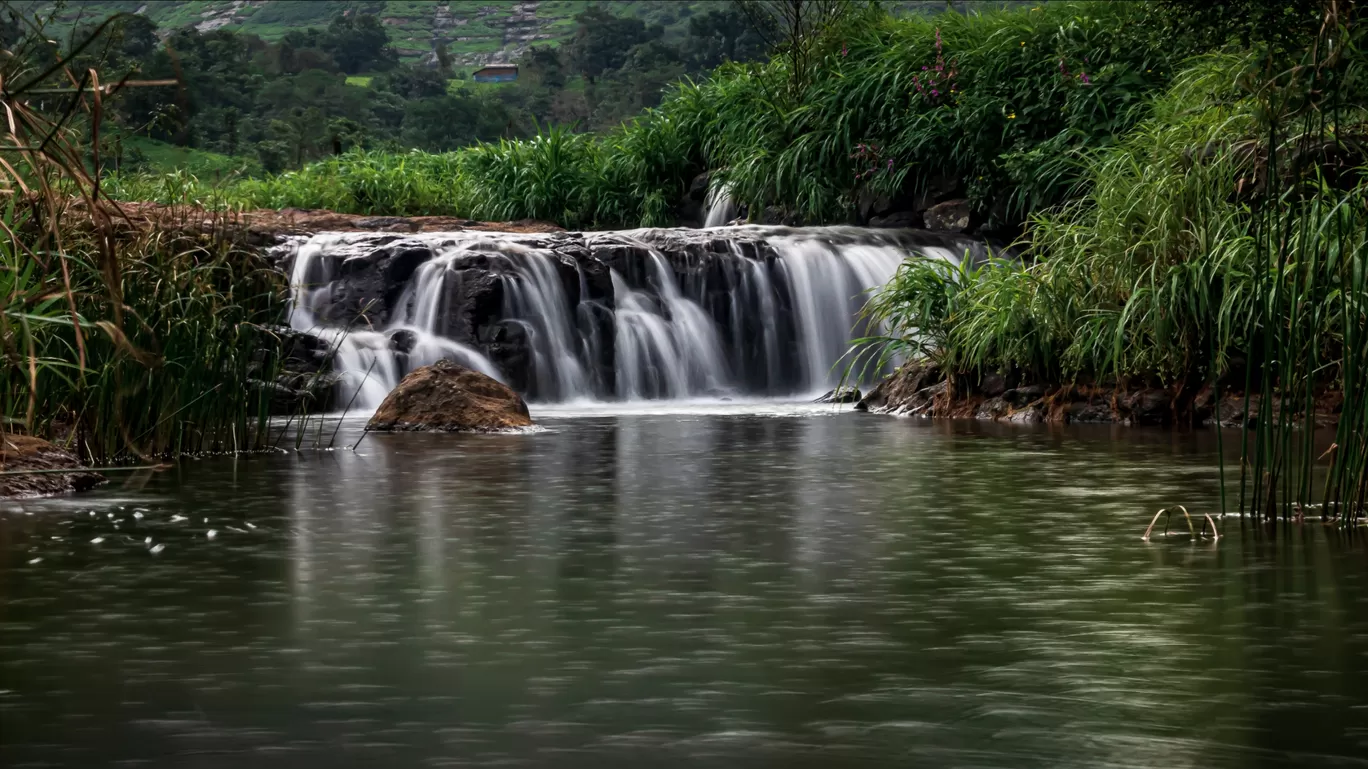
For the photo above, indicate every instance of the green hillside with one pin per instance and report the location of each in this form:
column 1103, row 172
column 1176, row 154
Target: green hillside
column 475, row 31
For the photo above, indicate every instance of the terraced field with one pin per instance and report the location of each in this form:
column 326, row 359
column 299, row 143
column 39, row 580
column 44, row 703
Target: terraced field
column 475, row 31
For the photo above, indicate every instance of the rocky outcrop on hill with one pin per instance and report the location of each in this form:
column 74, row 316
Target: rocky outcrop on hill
column 446, row 397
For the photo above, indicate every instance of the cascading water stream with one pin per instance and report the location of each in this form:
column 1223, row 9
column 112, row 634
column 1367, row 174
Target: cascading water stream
column 667, row 346
column 631, row 315
column 720, row 207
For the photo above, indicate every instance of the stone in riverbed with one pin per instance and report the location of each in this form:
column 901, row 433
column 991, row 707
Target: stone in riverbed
column 846, row 394
column 22, row 452
column 447, row 397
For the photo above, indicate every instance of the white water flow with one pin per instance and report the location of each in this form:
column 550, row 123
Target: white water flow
column 667, row 346
column 536, row 301
column 641, row 315
column 371, row 362
column 720, row 207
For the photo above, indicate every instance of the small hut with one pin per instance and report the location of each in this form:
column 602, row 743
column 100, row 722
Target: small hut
column 496, row 73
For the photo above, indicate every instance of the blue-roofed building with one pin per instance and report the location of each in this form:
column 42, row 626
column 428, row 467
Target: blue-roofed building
column 496, row 73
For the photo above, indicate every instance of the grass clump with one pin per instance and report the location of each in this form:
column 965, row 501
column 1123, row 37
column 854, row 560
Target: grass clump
column 118, row 342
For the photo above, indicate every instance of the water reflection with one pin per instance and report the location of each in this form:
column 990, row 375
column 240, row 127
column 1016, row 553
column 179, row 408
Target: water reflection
column 730, row 590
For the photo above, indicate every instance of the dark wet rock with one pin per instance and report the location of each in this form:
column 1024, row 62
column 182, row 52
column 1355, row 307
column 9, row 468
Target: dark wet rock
column 402, row 340
column 387, row 224
column 778, row 215
column 951, row 216
column 1151, row 406
column 367, row 280
column 304, row 380
column 993, row 385
column 844, row 394
column 994, row 409
column 1020, row 396
column 1092, row 411
column 22, row 452
column 447, row 397
column 912, row 389
column 897, row 219
column 1032, row 414
column 301, row 393
column 301, row 352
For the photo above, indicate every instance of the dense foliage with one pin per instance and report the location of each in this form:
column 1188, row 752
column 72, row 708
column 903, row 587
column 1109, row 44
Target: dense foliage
column 994, row 106
column 1222, row 244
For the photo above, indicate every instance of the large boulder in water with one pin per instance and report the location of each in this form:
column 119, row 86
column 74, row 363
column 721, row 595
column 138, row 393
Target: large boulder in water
column 449, row 397
column 20, row 453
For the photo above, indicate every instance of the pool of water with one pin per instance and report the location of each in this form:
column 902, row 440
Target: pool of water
column 735, row 585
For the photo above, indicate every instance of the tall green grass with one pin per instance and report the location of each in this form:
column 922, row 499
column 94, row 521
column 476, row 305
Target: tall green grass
column 117, row 342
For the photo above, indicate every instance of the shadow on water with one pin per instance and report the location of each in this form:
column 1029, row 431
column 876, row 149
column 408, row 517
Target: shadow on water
column 732, row 589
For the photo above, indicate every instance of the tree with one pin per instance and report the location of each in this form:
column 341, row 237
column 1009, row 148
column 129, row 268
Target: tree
column 641, row 81
column 726, row 34
column 358, row 43
column 792, row 30
column 444, row 59
column 412, row 82
column 542, row 66
column 602, row 41
column 453, row 120
column 1284, row 26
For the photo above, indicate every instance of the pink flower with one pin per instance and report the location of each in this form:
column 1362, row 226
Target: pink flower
column 1085, row 78
column 934, row 92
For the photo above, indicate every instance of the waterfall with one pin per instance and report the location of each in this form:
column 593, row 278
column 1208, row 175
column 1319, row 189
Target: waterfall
column 720, row 207
column 642, row 314
column 667, row 346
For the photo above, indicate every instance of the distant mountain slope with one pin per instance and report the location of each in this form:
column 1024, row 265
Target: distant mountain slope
column 476, row 31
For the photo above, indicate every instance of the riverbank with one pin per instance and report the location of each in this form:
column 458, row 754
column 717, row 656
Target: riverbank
column 267, row 227
column 922, row 389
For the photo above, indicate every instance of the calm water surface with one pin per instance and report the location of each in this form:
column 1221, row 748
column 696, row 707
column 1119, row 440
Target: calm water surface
column 757, row 588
